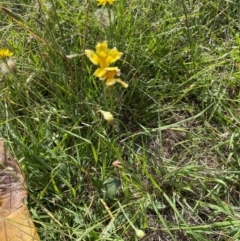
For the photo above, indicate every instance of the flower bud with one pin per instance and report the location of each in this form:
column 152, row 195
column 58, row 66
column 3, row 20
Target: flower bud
column 107, row 116
column 140, row 234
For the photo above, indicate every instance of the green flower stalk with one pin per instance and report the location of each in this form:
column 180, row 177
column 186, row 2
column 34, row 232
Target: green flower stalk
column 139, row 233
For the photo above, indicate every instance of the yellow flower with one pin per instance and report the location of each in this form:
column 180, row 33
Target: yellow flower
column 103, row 2
column 4, row 53
column 103, row 55
column 108, row 74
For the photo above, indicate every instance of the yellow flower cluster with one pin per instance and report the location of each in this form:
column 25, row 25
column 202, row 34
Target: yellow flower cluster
column 104, row 57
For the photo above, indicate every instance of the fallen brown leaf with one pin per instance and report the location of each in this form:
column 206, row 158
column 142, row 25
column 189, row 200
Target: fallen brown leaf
column 15, row 221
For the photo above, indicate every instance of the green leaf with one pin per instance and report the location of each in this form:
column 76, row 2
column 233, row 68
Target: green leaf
column 110, row 187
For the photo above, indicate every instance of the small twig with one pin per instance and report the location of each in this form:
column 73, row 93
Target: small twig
column 107, row 208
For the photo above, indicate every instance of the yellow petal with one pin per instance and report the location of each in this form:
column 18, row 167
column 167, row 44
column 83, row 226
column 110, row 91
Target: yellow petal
column 107, row 116
column 110, row 82
column 92, row 56
column 104, row 2
column 115, row 69
column 113, row 56
column 100, row 73
column 124, row 84
column 102, row 49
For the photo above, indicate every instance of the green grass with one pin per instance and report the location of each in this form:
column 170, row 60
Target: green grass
column 176, row 129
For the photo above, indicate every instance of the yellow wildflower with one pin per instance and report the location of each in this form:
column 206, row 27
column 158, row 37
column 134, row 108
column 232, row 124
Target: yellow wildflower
column 4, row 53
column 108, row 74
column 103, row 55
column 104, row 2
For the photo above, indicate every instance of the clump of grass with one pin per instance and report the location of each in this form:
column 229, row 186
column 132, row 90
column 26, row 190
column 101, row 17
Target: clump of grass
column 170, row 156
